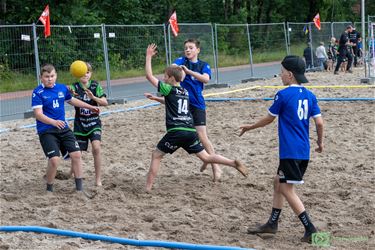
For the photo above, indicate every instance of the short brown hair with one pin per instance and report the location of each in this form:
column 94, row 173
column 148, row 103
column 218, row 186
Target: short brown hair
column 47, row 68
column 89, row 67
column 174, row 71
column 193, row 40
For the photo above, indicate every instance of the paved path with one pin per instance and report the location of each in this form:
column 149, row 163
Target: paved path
column 13, row 105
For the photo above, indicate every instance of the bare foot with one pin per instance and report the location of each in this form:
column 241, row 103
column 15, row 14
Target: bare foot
column 98, row 183
column 241, row 168
column 216, row 171
column 204, row 167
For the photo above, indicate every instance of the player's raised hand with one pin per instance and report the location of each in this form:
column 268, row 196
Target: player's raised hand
column 151, row 50
column 89, row 93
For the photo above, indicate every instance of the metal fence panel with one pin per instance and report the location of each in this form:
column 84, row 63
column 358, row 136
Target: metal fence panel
column 233, row 48
column 127, row 48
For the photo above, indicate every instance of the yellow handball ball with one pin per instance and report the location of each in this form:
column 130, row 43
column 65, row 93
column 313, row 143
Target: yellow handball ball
column 78, row 68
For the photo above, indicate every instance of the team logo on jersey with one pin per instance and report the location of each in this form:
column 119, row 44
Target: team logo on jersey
column 276, row 97
column 60, row 94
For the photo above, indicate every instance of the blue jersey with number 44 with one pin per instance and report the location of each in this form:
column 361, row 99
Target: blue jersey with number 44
column 294, row 106
column 51, row 101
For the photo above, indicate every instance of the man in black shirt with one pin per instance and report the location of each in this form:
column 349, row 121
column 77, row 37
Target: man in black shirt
column 355, row 37
column 343, row 50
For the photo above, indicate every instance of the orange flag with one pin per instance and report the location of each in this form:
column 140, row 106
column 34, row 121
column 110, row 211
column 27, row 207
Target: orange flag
column 44, row 18
column 317, row 21
column 174, row 24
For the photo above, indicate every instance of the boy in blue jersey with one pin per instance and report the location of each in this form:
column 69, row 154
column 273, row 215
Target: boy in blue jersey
column 293, row 106
column 54, row 133
column 179, row 122
column 197, row 73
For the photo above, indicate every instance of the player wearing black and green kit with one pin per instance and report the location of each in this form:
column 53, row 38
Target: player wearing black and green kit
column 87, row 125
column 179, row 121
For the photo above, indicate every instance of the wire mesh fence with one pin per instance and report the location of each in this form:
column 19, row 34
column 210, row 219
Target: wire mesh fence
column 117, row 51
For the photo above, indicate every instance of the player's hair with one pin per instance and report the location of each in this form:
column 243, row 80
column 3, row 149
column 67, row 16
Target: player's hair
column 47, row 68
column 193, row 40
column 174, row 71
column 89, row 67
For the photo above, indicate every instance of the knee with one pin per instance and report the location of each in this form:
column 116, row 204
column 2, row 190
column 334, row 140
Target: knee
column 54, row 161
column 276, row 184
column 156, row 154
column 75, row 155
column 96, row 148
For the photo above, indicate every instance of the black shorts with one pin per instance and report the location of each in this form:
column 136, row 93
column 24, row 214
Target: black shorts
column 199, row 116
column 291, row 171
column 54, row 140
column 83, row 140
column 187, row 140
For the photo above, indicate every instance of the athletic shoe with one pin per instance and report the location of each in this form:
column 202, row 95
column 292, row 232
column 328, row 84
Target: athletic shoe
column 307, row 236
column 335, row 73
column 349, row 71
column 266, row 228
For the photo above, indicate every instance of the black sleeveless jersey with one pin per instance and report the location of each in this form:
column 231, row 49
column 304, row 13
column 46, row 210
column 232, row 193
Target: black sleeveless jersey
column 178, row 116
column 85, row 122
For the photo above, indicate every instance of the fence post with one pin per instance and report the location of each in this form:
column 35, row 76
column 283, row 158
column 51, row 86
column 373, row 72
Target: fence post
column 214, row 53
column 165, row 44
column 250, row 50
column 311, row 45
column 105, row 51
column 36, row 54
column 217, row 54
column 286, row 35
column 332, row 33
column 169, row 44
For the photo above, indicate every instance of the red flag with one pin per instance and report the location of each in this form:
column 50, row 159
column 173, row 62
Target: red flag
column 44, row 18
column 174, row 24
column 317, row 21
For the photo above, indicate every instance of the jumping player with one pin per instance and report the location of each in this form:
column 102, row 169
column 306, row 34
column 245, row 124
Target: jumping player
column 179, row 122
column 293, row 106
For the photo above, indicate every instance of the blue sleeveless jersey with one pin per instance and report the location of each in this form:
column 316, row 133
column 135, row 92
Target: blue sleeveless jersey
column 192, row 85
column 52, row 101
column 294, row 106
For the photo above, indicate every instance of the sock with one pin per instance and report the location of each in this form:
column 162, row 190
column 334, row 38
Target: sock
column 50, row 187
column 79, row 186
column 309, row 227
column 274, row 216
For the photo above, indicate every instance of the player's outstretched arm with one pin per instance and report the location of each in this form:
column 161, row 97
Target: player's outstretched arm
column 150, row 52
column 155, row 98
column 261, row 123
column 78, row 103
